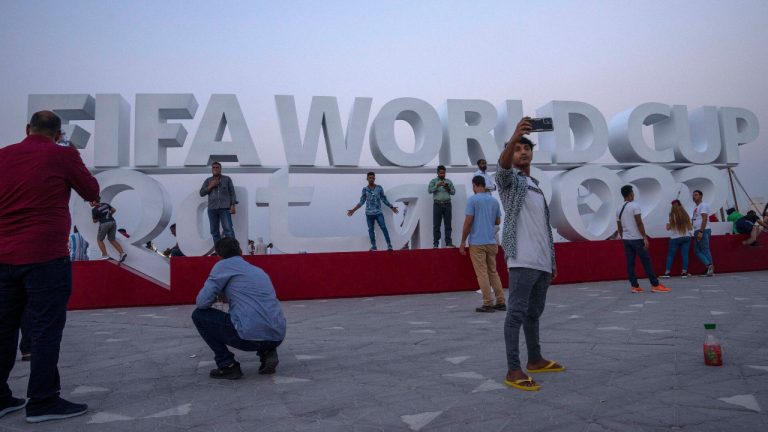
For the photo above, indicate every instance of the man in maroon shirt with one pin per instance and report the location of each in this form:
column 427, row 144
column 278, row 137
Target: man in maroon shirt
column 35, row 271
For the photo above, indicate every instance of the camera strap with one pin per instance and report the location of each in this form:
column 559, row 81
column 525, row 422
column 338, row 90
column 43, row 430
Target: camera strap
column 622, row 209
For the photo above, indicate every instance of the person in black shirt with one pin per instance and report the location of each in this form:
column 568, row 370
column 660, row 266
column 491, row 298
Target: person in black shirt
column 750, row 224
column 102, row 214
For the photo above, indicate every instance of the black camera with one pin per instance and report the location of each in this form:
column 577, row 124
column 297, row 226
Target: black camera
column 543, row 124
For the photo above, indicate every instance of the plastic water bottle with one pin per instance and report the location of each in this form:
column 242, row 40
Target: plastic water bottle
column 713, row 352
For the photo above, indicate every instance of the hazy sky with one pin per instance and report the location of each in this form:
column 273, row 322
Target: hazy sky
column 611, row 54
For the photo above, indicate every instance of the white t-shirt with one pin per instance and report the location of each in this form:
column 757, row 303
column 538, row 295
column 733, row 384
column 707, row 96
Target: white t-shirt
column 628, row 222
column 489, row 183
column 696, row 218
column 533, row 250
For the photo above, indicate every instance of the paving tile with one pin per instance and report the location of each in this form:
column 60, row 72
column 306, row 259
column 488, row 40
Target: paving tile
column 363, row 364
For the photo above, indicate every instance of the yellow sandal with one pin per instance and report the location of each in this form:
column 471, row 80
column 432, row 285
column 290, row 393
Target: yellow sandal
column 518, row 384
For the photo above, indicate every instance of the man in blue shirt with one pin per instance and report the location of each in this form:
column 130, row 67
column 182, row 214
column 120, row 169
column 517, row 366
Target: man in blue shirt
column 483, row 216
column 255, row 321
column 372, row 196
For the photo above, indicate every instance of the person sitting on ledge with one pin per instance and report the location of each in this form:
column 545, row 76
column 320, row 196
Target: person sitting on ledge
column 255, row 321
column 751, row 225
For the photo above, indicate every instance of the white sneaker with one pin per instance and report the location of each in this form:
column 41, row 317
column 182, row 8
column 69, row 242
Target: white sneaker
column 103, row 257
column 123, row 256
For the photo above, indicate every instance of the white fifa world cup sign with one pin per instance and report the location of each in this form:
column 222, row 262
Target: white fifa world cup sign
column 664, row 151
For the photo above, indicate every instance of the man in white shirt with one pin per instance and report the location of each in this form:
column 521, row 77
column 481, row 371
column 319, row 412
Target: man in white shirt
column 482, row 166
column 632, row 233
column 701, row 233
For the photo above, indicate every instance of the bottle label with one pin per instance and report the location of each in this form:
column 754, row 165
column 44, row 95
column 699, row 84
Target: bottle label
column 713, row 355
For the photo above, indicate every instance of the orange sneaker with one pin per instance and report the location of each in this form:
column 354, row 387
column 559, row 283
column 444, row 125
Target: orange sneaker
column 660, row 289
column 636, row 290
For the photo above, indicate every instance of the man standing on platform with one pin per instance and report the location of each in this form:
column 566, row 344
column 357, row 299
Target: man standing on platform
column 373, row 196
column 441, row 189
column 482, row 166
column 483, row 216
column 221, row 202
column 35, row 269
column 632, row 232
column 530, row 255
column 255, row 321
column 701, row 234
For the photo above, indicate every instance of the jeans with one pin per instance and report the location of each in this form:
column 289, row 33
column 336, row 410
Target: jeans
column 527, row 297
column 217, row 330
column 441, row 211
column 225, row 217
column 683, row 243
column 41, row 292
column 484, row 262
column 380, row 219
column 701, row 247
column 634, row 248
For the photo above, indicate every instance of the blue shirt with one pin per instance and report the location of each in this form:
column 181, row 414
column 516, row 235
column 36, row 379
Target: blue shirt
column 485, row 210
column 253, row 306
column 373, row 199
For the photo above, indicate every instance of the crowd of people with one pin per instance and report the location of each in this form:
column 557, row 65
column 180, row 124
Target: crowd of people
column 36, row 271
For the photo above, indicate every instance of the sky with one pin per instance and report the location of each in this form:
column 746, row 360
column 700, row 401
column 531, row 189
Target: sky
column 611, row 54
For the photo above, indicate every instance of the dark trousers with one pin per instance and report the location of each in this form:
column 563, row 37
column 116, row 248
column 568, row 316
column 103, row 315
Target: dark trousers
column 41, row 291
column 25, row 345
column 441, row 211
column 637, row 248
column 527, row 297
column 216, row 329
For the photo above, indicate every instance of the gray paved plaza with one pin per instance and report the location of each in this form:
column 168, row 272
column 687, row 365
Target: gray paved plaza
column 429, row 362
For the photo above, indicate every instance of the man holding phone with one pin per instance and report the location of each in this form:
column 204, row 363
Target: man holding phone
column 530, row 255
column 221, row 202
column 35, row 268
column 441, row 189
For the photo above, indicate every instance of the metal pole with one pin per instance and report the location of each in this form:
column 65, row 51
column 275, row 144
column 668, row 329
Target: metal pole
column 733, row 190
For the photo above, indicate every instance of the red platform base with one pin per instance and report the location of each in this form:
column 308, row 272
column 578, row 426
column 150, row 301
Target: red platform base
column 100, row 284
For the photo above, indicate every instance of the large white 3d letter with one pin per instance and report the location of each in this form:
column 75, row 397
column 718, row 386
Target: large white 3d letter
column 417, row 221
column 467, row 126
column 626, row 141
column 223, row 111
column 112, row 134
column 278, row 197
column 68, row 107
column 153, row 132
column 427, row 130
column 585, row 216
column 704, row 144
column 590, row 132
column 709, row 180
column 323, row 115
column 154, row 217
column 737, row 127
